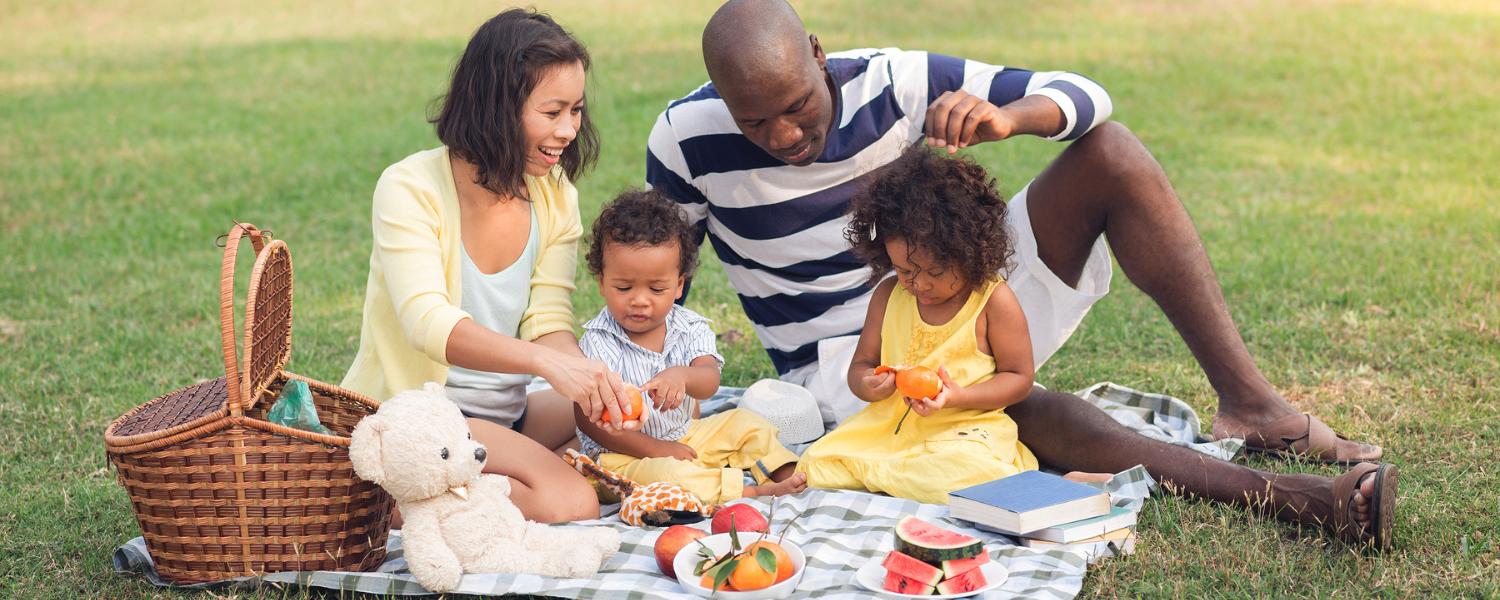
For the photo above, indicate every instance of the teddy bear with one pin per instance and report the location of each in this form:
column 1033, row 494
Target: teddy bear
column 417, row 446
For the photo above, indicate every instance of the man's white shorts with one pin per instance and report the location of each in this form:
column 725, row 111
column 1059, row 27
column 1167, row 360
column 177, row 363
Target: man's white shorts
column 1053, row 311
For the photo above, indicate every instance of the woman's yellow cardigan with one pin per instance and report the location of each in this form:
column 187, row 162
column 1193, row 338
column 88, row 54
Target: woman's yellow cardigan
column 414, row 295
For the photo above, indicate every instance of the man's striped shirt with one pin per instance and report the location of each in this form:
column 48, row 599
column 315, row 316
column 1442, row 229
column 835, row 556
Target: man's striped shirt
column 778, row 228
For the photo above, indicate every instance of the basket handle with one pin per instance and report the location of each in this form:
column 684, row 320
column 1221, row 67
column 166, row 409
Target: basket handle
column 226, row 306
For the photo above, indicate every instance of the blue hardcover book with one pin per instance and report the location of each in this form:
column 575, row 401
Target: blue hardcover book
column 1027, row 501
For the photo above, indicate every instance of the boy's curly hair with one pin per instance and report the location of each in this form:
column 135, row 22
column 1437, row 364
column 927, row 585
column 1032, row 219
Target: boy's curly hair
column 946, row 206
column 642, row 218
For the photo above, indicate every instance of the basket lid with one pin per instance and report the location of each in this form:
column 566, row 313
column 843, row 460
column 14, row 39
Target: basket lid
column 172, row 413
column 268, row 321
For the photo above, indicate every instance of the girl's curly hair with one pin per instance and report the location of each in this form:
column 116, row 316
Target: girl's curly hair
column 642, row 218
column 947, row 206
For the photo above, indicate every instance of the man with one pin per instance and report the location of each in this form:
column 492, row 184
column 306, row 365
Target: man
column 766, row 156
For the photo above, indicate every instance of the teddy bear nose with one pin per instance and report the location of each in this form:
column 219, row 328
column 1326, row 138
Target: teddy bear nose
column 479, row 454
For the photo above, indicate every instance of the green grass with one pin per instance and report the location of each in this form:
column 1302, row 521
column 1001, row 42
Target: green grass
column 1337, row 157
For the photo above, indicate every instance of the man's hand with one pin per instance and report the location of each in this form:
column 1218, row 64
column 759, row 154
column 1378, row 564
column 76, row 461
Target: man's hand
column 677, row 450
column 959, row 119
column 666, row 390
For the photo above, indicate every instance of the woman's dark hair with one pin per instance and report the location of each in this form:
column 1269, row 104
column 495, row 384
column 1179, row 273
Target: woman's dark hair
column 480, row 118
column 946, row 206
column 643, row 218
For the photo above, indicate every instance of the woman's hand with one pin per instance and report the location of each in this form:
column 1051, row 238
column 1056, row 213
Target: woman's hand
column 590, row 384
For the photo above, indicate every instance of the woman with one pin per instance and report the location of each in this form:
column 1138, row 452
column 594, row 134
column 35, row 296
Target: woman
column 471, row 276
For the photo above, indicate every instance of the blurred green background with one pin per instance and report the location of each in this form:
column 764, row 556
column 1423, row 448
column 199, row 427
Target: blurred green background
column 1338, row 158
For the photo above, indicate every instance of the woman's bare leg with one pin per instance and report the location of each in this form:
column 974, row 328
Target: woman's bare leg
column 549, row 421
column 545, row 488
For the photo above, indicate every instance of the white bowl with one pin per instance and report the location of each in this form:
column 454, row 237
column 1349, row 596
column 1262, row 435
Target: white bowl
column 688, row 557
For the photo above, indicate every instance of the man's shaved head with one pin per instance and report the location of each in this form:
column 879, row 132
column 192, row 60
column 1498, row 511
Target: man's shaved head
column 770, row 74
column 747, row 41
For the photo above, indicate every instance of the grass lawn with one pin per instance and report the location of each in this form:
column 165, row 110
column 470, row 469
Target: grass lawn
column 1338, row 158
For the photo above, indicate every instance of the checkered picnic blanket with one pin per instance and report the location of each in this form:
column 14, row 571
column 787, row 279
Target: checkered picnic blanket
column 838, row 530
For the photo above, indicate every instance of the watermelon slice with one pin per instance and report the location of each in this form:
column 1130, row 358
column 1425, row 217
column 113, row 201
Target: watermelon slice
column 932, row 544
column 911, row 568
column 968, row 581
column 901, row 584
column 954, row 568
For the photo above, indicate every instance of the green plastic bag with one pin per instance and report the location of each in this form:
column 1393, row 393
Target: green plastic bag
column 294, row 408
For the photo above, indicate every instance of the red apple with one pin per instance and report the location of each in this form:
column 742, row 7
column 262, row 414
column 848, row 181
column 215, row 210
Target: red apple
column 746, row 519
column 671, row 540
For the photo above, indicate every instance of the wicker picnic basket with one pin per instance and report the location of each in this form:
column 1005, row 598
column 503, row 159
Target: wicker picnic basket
column 218, row 491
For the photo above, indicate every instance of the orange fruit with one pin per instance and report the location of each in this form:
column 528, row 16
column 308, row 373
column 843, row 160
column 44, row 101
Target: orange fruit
column 749, row 575
column 783, row 560
column 918, row 382
column 708, row 582
column 633, row 410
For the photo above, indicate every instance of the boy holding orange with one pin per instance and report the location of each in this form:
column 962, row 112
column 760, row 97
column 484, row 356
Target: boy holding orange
column 641, row 252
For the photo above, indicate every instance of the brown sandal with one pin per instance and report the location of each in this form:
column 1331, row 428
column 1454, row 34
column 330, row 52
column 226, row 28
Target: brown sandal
column 1382, row 505
column 1303, row 437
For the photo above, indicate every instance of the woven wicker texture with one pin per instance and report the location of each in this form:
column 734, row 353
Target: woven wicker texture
column 178, row 408
column 218, row 491
column 268, row 319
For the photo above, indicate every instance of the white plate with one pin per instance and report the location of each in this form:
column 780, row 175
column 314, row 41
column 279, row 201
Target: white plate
column 872, row 577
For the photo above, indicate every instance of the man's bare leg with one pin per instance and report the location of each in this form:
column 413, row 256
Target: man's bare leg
column 1107, row 183
column 1070, row 434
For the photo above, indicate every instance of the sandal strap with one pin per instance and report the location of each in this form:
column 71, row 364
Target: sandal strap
column 1306, row 435
column 1343, row 487
column 1320, row 440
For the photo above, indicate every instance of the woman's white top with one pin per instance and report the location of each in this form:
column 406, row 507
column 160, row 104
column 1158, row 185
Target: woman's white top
column 497, row 302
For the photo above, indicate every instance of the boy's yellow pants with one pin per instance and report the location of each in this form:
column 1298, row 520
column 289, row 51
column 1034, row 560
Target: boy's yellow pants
column 737, row 439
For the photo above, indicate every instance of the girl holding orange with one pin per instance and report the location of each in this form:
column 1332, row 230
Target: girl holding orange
column 939, row 225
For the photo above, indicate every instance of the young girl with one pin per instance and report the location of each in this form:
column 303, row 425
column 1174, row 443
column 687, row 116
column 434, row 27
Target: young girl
column 939, row 224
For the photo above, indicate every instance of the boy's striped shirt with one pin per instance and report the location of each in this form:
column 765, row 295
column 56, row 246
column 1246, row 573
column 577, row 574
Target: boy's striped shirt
column 778, row 228
column 688, row 337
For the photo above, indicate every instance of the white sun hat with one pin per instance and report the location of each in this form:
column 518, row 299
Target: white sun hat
column 788, row 406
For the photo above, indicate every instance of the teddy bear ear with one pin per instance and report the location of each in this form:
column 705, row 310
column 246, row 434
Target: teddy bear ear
column 365, row 448
column 435, row 388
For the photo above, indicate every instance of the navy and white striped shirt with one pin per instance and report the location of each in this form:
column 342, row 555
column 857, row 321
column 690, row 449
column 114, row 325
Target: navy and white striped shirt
column 778, row 228
column 688, row 337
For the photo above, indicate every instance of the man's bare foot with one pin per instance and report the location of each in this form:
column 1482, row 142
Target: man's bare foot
column 791, row 485
column 1368, row 494
column 1082, row 477
column 1359, row 501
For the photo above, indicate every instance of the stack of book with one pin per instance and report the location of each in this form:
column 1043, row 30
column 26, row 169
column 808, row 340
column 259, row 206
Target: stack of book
column 1048, row 512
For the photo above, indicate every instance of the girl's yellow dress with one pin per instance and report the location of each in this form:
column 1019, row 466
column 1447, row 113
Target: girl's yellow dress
column 949, row 450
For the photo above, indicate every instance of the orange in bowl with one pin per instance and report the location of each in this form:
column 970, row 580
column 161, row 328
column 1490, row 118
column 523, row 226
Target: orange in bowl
column 687, row 560
column 784, row 566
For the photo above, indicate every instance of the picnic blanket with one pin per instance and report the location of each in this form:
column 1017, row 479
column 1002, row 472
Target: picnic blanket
column 838, row 530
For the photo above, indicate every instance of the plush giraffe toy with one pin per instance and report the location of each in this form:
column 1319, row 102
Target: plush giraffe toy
column 641, row 504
